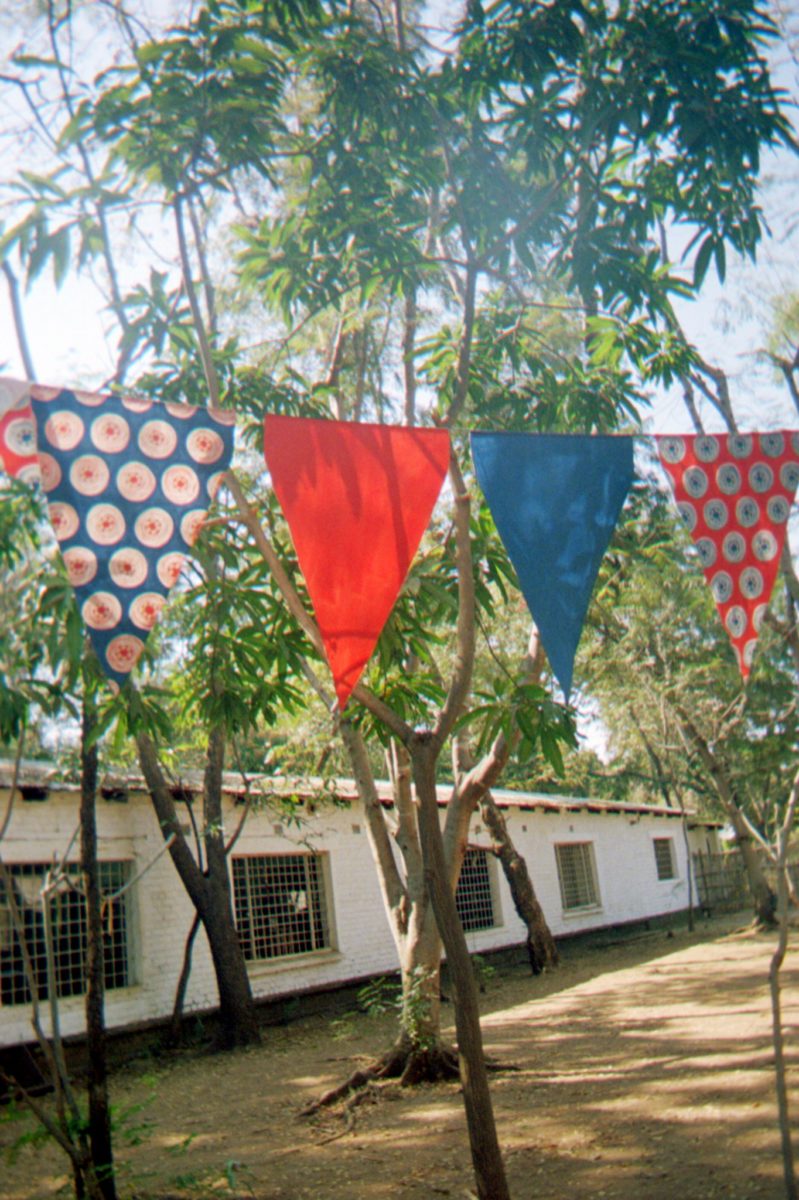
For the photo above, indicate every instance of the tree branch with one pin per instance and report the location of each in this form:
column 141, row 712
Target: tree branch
column 465, row 348
column 391, row 884
column 206, row 356
column 461, row 681
column 19, row 321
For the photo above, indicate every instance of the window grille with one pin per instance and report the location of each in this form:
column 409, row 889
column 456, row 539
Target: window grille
column 664, row 857
column 474, row 899
column 280, row 905
column 70, row 932
column 577, row 875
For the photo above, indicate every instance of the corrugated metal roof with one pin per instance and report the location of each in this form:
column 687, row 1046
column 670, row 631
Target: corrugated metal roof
column 41, row 775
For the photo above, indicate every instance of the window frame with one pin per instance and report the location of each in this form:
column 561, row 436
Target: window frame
column 667, row 840
column 488, row 889
column 70, row 942
column 245, row 884
column 588, row 866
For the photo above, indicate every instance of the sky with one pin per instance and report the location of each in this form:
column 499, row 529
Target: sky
column 68, row 327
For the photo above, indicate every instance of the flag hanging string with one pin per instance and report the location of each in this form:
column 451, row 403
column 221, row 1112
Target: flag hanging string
column 128, row 484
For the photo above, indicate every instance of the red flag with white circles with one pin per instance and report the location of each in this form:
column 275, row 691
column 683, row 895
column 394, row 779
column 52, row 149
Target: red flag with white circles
column 17, row 432
column 734, row 493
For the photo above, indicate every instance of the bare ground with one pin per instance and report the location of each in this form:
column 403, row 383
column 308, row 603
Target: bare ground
column 644, row 1074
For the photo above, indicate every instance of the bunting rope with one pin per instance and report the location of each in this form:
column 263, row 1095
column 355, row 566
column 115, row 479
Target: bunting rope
column 129, row 481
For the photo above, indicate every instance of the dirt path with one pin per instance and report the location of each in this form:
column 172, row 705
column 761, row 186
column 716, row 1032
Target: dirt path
column 644, row 1074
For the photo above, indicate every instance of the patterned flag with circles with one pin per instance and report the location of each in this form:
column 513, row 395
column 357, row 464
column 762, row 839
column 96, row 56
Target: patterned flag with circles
column 17, row 433
column 128, row 485
column 734, row 493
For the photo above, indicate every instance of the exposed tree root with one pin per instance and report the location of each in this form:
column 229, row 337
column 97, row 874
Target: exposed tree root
column 435, row 1065
column 401, row 1062
column 370, row 1092
column 492, row 1064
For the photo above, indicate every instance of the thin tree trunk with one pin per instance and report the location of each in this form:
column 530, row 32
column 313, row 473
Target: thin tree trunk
column 765, row 902
column 210, row 895
column 99, row 1108
column 763, row 897
column 778, row 1038
column 541, row 946
column 783, row 844
column 688, row 864
column 486, row 1156
column 238, row 1018
column 237, row 1015
column 175, row 1021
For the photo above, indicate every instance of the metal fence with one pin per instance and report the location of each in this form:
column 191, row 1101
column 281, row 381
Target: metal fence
column 721, row 881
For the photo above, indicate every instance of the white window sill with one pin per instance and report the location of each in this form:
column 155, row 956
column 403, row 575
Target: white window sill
column 585, row 910
column 292, row 962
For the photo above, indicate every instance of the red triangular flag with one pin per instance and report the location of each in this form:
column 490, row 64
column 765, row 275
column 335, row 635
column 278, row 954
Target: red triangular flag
column 357, row 499
column 735, row 492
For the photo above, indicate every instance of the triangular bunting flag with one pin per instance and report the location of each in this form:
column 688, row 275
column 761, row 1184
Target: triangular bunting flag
column 128, row 485
column 17, row 433
column 555, row 502
column 357, row 499
column 734, row 493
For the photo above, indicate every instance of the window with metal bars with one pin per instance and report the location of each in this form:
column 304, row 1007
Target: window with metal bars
column 474, row 898
column 577, row 875
column 664, row 857
column 280, row 904
column 69, row 932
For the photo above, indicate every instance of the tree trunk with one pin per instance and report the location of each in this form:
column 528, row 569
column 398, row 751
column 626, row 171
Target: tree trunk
column 486, row 1156
column 99, row 1109
column 765, row 902
column 420, row 958
column 176, row 1020
column 541, row 946
column 418, row 1053
column 238, row 1019
column 210, row 895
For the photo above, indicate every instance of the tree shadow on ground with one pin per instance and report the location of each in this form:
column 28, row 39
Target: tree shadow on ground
column 644, row 1074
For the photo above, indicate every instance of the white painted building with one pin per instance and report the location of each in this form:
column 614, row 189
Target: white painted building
column 307, row 900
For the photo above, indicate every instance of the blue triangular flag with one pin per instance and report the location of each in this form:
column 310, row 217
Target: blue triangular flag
column 555, row 500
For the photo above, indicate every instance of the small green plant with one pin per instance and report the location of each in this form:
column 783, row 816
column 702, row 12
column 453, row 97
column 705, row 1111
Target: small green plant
column 342, row 1027
column 124, row 1120
column 33, row 1136
column 484, row 972
column 416, row 1009
column 205, row 1185
column 237, row 1175
column 186, row 1180
column 379, row 997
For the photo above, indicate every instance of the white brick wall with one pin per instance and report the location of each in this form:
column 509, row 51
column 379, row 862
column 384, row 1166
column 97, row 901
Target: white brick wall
column 161, row 913
column 629, row 888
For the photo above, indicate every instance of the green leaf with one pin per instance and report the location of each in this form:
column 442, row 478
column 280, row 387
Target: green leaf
column 702, row 260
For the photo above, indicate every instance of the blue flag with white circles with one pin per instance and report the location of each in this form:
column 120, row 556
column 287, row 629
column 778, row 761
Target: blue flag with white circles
column 128, row 485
